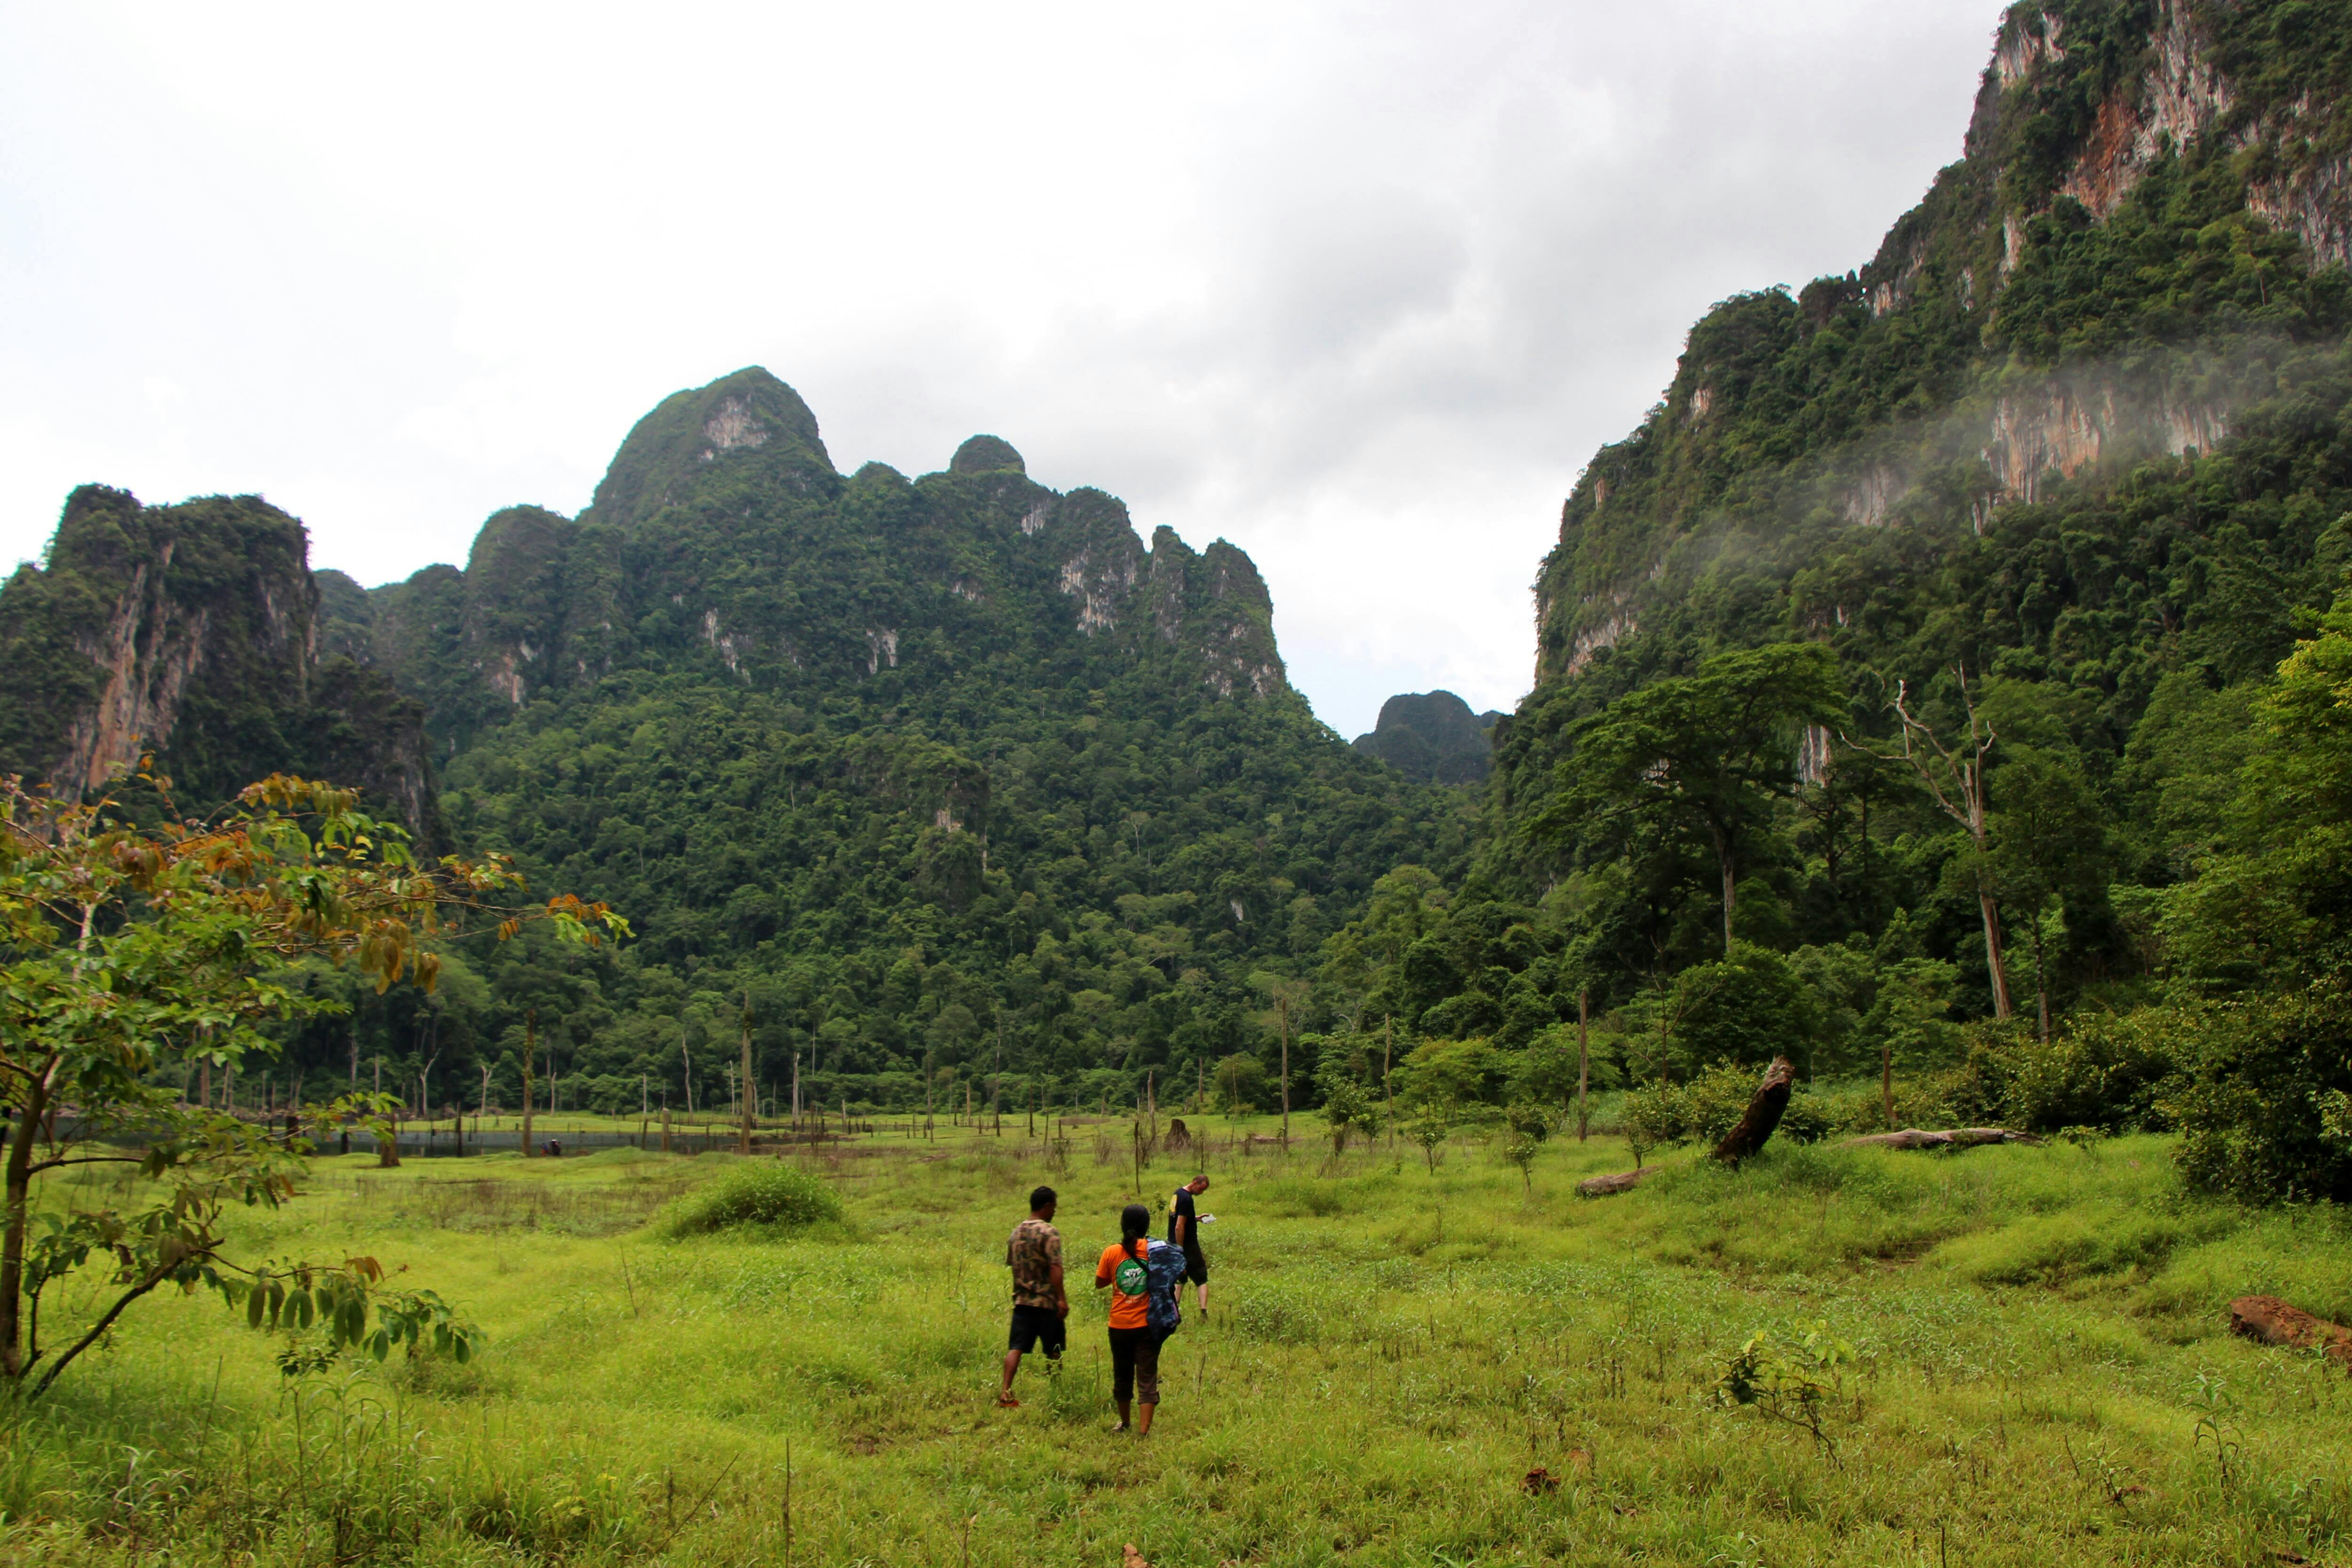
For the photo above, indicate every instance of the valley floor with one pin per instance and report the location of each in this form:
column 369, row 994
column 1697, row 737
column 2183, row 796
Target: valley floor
column 2011, row 1355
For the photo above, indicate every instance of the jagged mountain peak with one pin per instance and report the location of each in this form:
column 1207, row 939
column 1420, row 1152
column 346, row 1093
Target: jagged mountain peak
column 753, row 554
column 748, row 426
column 986, row 454
column 1432, row 737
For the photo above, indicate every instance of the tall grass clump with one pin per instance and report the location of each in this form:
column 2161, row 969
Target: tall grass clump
column 771, row 1194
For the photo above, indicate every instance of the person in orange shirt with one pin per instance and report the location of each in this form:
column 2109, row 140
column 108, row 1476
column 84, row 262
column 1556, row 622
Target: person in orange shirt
column 1134, row 1342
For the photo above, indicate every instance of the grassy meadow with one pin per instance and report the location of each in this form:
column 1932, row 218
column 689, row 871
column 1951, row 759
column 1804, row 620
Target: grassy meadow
column 2009, row 1356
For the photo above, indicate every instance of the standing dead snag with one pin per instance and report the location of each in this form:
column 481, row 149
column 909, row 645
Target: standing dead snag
column 1762, row 1117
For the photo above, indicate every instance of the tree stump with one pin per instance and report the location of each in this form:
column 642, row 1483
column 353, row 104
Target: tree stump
column 2271, row 1321
column 1756, row 1123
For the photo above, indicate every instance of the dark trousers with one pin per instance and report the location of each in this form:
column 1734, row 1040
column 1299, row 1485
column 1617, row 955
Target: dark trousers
column 1134, row 1365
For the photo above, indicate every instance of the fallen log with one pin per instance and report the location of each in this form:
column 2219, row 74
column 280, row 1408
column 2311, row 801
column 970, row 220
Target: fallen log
column 1950, row 1138
column 2271, row 1321
column 1755, row 1124
column 1623, row 1181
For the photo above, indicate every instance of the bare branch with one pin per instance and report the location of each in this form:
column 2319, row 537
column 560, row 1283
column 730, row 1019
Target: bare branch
column 86, row 1160
column 154, row 1277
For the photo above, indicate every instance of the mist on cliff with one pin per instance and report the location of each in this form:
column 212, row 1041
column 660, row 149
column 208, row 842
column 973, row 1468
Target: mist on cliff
column 1360, row 286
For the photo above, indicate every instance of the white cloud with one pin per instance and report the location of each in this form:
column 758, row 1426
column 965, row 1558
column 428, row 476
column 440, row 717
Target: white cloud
column 1359, row 285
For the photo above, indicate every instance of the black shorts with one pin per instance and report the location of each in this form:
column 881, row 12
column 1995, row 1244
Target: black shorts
column 1034, row 1326
column 1196, row 1268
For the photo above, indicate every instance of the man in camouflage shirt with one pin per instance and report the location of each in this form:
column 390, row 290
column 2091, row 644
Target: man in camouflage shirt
column 1039, row 1306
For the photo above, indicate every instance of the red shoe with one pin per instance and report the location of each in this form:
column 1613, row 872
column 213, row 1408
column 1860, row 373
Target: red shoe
column 1006, row 1402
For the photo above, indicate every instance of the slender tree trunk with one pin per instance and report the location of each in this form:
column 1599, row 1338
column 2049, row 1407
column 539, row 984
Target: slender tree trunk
column 1887, row 1080
column 1583, row 1058
column 1729, row 869
column 1730, row 897
column 1995, row 964
column 2041, row 982
column 751, row 1100
column 14, row 1353
column 530, row 1050
column 1388, row 1090
column 1284, row 1005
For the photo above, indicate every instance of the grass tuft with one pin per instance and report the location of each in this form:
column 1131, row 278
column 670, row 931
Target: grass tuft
column 769, row 1194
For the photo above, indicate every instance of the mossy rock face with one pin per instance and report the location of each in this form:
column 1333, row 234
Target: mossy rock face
column 986, row 454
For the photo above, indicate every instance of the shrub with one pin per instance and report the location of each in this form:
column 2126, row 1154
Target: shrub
column 1543, row 1071
column 2253, row 1103
column 1807, row 1120
column 1706, row 1108
column 1452, row 1072
column 1921, row 1099
column 2108, row 1070
column 1653, row 1115
column 1717, row 1097
column 763, row 1193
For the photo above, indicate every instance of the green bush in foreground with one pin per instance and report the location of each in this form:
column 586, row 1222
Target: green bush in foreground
column 765, row 1193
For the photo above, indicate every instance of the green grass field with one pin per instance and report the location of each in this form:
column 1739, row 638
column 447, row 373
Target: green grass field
column 2017, row 1355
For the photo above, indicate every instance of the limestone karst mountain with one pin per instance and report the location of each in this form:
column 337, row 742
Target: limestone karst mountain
column 2080, row 427
column 1432, row 737
column 911, row 762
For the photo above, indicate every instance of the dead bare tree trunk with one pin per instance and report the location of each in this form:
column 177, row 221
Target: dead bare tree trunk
column 1762, row 1118
column 530, row 1050
column 747, row 1100
column 1956, row 778
column 1583, row 1058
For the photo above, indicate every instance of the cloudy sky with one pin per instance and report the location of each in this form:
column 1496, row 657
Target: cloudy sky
column 1356, row 286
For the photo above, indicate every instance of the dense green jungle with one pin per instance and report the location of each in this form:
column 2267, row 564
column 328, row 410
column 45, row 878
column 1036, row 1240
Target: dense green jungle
column 1947, row 680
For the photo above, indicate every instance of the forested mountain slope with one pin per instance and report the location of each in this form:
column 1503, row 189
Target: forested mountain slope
column 2082, row 430
column 914, row 766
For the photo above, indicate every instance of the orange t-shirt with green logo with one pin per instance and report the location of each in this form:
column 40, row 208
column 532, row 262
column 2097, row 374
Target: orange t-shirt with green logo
column 1128, row 1309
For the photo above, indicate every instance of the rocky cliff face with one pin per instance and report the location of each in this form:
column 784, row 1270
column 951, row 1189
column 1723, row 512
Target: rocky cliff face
column 2137, row 243
column 193, row 633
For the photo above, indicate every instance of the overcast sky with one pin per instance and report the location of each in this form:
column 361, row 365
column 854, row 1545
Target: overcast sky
column 1360, row 286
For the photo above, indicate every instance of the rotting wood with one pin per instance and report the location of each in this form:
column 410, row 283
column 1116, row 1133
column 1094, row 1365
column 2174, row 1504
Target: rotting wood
column 1623, row 1181
column 1755, row 1124
column 1950, row 1138
column 2273, row 1322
